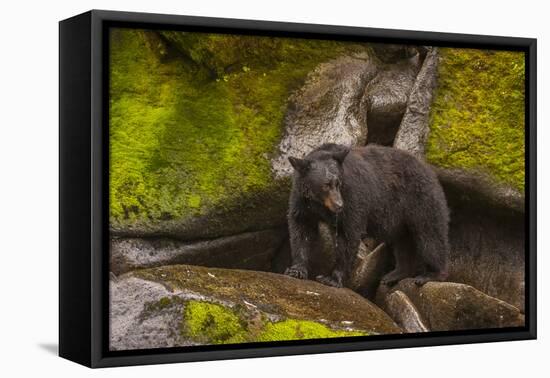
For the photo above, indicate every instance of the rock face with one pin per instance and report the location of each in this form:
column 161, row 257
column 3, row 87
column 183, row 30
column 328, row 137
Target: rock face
column 326, row 109
column 181, row 305
column 386, row 97
column 251, row 250
column 448, row 306
column 414, row 128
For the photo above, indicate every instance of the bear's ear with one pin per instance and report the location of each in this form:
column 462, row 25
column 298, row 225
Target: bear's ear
column 300, row 165
column 339, row 156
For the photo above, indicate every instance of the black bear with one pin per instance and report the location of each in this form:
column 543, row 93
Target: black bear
column 381, row 192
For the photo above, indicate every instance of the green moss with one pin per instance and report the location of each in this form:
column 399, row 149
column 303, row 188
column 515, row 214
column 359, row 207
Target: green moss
column 212, row 323
column 215, row 324
column 478, row 114
column 293, row 329
column 194, row 129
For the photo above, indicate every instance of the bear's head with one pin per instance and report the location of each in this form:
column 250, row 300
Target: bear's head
column 318, row 177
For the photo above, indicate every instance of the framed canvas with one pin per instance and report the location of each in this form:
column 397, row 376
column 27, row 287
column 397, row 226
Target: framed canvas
column 234, row 188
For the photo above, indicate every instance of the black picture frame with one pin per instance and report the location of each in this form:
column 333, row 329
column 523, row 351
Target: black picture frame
column 83, row 181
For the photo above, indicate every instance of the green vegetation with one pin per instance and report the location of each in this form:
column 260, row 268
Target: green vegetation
column 215, row 324
column 477, row 118
column 293, row 329
column 194, row 117
column 212, row 323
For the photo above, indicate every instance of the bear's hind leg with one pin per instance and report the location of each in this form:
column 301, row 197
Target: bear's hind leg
column 434, row 249
column 403, row 251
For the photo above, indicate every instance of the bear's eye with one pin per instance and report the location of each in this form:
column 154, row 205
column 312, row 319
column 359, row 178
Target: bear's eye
column 326, row 187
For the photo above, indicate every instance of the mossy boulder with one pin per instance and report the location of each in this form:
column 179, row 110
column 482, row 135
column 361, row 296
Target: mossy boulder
column 181, row 305
column 478, row 114
column 195, row 120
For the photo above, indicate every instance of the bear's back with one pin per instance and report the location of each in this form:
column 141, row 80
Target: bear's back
column 393, row 180
column 395, row 163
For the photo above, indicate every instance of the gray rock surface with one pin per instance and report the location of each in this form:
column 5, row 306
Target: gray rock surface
column 251, row 250
column 326, row 109
column 414, row 128
column 386, row 96
column 132, row 326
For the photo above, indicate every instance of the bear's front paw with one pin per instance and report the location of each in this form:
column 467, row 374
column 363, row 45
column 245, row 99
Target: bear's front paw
column 296, row 272
column 329, row 281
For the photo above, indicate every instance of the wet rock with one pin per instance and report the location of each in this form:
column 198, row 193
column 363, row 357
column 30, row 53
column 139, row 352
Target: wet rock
column 450, row 306
column 182, row 305
column 404, row 312
column 415, row 125
column 251, row 250
column 326, row 109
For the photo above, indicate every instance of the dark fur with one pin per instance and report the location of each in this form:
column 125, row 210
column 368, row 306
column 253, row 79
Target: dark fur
column 384, row 193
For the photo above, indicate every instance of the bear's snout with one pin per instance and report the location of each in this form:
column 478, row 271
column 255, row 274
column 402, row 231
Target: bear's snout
column 334, row 202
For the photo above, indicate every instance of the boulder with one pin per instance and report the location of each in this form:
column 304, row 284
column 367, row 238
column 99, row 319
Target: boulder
column 450, row 306
column 369, row 268
column 250, row 250
column 181, row 305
